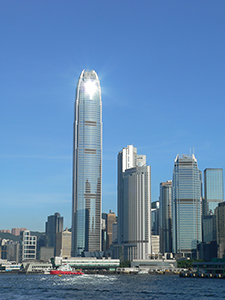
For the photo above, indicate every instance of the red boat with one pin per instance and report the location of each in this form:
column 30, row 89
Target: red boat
column 66, row 270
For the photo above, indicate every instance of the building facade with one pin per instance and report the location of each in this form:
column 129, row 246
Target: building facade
column 126, row 159
column 213, row 195
column 165, row 216
column 17, row 231
column 63, row 243
column 29, row 246
column 220, row 228
column 53, row 226
column 111, row 219
column 213, row 190
column 186, row 204
column 13, row 251
column 155, row 217
column 87, row 165
column 134, row 204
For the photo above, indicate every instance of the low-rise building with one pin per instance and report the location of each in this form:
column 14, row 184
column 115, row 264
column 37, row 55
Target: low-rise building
column 88, row 262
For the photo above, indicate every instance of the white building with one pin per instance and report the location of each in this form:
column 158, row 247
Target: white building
column 29, row 246
column 134, row 204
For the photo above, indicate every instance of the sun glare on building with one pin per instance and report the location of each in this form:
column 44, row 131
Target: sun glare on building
column 90, row 88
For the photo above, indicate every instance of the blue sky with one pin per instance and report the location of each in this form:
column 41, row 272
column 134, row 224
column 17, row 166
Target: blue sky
column 162, row 71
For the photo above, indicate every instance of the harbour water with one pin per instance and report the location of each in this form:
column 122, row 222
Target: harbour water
column 109, row 286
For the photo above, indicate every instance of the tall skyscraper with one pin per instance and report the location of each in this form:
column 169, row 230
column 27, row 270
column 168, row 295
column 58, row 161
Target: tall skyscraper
column 186, row 204
column 127, row 159
column 165, row 216
column 134, row 204
column 87, row 165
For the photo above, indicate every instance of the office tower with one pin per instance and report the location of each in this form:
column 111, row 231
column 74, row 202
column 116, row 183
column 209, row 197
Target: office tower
column 127, row 159
column 63, row 243
column 87, row 165
column 209, row 228
column 220, row 228
column 134, row 204
column 155, row 217
column 213, row 195
column 186, row 204
column 103, row 226
column 111, row 219
column 13, row 251
column 53, row 226
column 213, row 190
column 165, row 216
column 29, row 246
column 114, row 232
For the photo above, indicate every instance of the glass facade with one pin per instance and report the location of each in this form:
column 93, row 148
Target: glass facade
column 186, row 204
column 165, row 216
column 87, row 168
column 213, row 189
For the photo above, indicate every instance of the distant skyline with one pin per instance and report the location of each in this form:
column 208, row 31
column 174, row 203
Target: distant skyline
column 162, row 71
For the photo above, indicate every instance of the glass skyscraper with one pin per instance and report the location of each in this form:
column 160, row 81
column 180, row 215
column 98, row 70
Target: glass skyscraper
column 213, row 189
column 165, row 216
column 213, row 195
column 87, row 165
column 186, row 204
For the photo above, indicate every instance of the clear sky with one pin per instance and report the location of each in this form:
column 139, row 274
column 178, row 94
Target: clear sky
column 161, row 65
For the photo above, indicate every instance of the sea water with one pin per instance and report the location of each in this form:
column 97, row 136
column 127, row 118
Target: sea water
column 109, row 287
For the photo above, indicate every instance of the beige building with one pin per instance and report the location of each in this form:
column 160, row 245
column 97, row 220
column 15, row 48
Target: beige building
column 111, row 219
column 17, row 231
column 155, row 244
column 63, row 244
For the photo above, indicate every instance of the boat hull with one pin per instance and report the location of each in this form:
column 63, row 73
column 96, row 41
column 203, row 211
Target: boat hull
column 60, row 272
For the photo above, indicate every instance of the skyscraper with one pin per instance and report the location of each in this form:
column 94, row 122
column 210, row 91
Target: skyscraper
column 87, row 165
column 186, row 204
column 111, row 219
column 165, row 216
column 52, row 227
column 213, row 189
column 220, row 228
column 213, row 195
column 134, row 204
